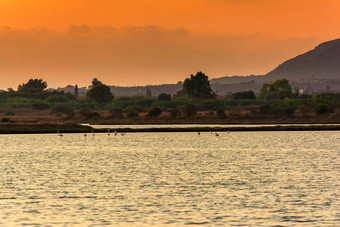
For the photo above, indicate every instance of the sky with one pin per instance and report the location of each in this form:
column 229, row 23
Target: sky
column 143, row 42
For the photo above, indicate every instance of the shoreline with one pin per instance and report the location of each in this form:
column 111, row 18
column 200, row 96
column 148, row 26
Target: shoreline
column 75, row 128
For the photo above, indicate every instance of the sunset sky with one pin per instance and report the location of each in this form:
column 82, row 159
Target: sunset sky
column 141, row 42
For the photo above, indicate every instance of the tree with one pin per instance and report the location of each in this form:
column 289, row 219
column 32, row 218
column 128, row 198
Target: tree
column 148, row 92
column 164, row 97
column 76, row 91
column 198, row 87
column 155, row 112
column 280, row 89
column 33, row 86
column 244, row 95
column 99, row 92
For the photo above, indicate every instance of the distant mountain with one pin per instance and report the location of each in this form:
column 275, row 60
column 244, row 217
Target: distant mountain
column 321, row 63
column 236, row 79
column 317, row 70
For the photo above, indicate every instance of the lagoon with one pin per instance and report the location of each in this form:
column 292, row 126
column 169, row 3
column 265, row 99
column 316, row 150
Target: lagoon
column 171, row 179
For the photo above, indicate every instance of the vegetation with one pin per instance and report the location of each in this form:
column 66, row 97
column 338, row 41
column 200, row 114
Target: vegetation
column 164, row 97
column 197, row 103
column 280, row 89
column 99, row 92
column 198, row 87
column 155, row 112
column 244, row 95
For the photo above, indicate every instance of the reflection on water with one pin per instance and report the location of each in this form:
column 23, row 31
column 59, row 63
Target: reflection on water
column 223, row 126
column 250, row 178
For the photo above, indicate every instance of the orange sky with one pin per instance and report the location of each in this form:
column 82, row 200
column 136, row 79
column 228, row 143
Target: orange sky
column 130, row 42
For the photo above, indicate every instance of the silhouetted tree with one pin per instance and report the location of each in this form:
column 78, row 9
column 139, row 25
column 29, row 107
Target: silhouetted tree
column 148, row 92
column 280, row 89
column 198, row 87
column 99, row 92
column 164, row 97
column 76, row 91
column 33, row 86
column 155, row 112
column 244, row 95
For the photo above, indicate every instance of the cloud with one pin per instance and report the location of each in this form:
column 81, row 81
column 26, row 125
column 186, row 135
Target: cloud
column 135, row 55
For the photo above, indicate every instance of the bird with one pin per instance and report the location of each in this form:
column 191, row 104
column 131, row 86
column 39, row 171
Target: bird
column 199, row 133
column 59, row 134
column 216, row 134
column 108, row 132
column 115, row 132
column 85, row 134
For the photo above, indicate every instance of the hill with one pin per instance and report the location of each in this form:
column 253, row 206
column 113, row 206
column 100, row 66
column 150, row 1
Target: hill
column 321, row 63
column 317, row 70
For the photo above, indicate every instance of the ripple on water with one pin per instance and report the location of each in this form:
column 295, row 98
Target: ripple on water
column 236, row 179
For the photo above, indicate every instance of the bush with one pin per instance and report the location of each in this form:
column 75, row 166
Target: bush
column 211, row 104
column 132, row 114
column 5, row 120
column 164, row 97
column 174, row 112
column 86, row 113
column 10, row 114
column 323, row 109
column 155, row 112
column 40, row 106
column 221, row 114
column 62, row 109
column 116, row 113
column 282, row 109
column 123, row 102
column 264, row 109
column 210, row 113
column 135, row 108
column 57, row 99
column 244, row 95
column 20, row 102
column 188, row 110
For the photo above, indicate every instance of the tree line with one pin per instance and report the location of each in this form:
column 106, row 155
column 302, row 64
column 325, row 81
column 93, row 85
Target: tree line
column 274, row 99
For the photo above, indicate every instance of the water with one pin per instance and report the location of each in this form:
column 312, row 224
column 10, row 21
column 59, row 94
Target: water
column 171, row 179
column 225, row 126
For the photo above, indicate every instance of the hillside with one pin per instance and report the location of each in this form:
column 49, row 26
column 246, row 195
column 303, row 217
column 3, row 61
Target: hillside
column 317, row 70
column 321, row 63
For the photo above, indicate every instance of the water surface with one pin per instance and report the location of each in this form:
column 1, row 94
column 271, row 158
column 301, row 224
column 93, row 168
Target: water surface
column 171, row 179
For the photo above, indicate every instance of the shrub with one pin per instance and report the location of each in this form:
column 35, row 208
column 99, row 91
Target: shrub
column 132, row 113
column 57, row 99
column 211, row 113
column 188, row 110
column 10, row 114
column 123, row 102
column 164, row 97
column 40, row 106
column 174, row 112
column 264, row 109
column 5, row 120
column 116, row 113
column 62, row 109
column 155, row 112
column 323, row 109
column 86, row 113
column 282, row 109
column 211, row 104
column 221, row 114
column 244, row 95
column 135, row 108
